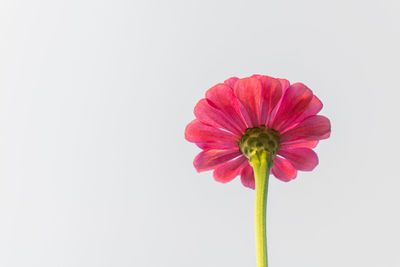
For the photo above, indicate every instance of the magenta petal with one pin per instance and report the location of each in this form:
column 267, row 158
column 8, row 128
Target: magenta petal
column 222, row 97
column 312, row 128
column 312, row 109
column 248, row 92
column 211, row 158
column 303, row 159
column 214, row 117
column 229, row 170
column 231, row 82
column 247, row 177
column 294, row 102
column 283, row 169
column 206, row 136
column 299, row 143
column 270, row 95
column 285, row 85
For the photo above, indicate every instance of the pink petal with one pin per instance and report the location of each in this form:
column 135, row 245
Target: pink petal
column 312, row 109
column 209, row 137
column 229, row 170
column 327, row 134
column 312, row 128
column 231, row 82
column 247, row 177
column 248, row 92
column 303, row 159
column 270, row 95
column 222, row 97
column 211, row 158
column 283, row 169
column 294, row 101
column 296, row 144
column 285, row 84
column 214, row 117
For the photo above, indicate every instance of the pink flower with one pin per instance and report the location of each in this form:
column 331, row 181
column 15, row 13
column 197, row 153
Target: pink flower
column 286, row 113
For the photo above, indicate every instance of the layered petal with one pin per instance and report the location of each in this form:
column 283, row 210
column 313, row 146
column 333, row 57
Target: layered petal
column 303, row 159
column 229, row 170
column 294, row 102
column 207, row 114
column 222, row 97
column 270, row 95
column 296, row 144
column 231, row 82
column 247, row 177
column 312, row 128
column 210, row 158
column 312, row 109
column 206, row 136
column 283, row 169
column 248, row 92
column 285, row 85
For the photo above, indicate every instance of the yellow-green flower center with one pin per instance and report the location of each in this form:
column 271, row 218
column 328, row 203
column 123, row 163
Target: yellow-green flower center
column 256, row 141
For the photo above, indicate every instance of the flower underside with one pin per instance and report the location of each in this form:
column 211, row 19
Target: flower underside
column 272, row 118
column 257, row 141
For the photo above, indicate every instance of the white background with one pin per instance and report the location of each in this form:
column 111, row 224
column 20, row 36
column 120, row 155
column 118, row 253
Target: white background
column 94, row 99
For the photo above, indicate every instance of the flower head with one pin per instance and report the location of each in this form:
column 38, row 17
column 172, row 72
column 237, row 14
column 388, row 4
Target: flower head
column 239, row 117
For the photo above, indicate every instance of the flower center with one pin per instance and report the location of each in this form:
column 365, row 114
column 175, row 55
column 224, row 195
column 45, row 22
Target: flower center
column 259, row 140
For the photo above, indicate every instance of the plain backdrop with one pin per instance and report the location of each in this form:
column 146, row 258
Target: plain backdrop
column 94, row 99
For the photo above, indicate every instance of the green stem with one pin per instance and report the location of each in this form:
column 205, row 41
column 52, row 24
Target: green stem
column 261, row 167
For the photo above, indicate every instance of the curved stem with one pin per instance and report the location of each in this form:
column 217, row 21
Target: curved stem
column 261, row 169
